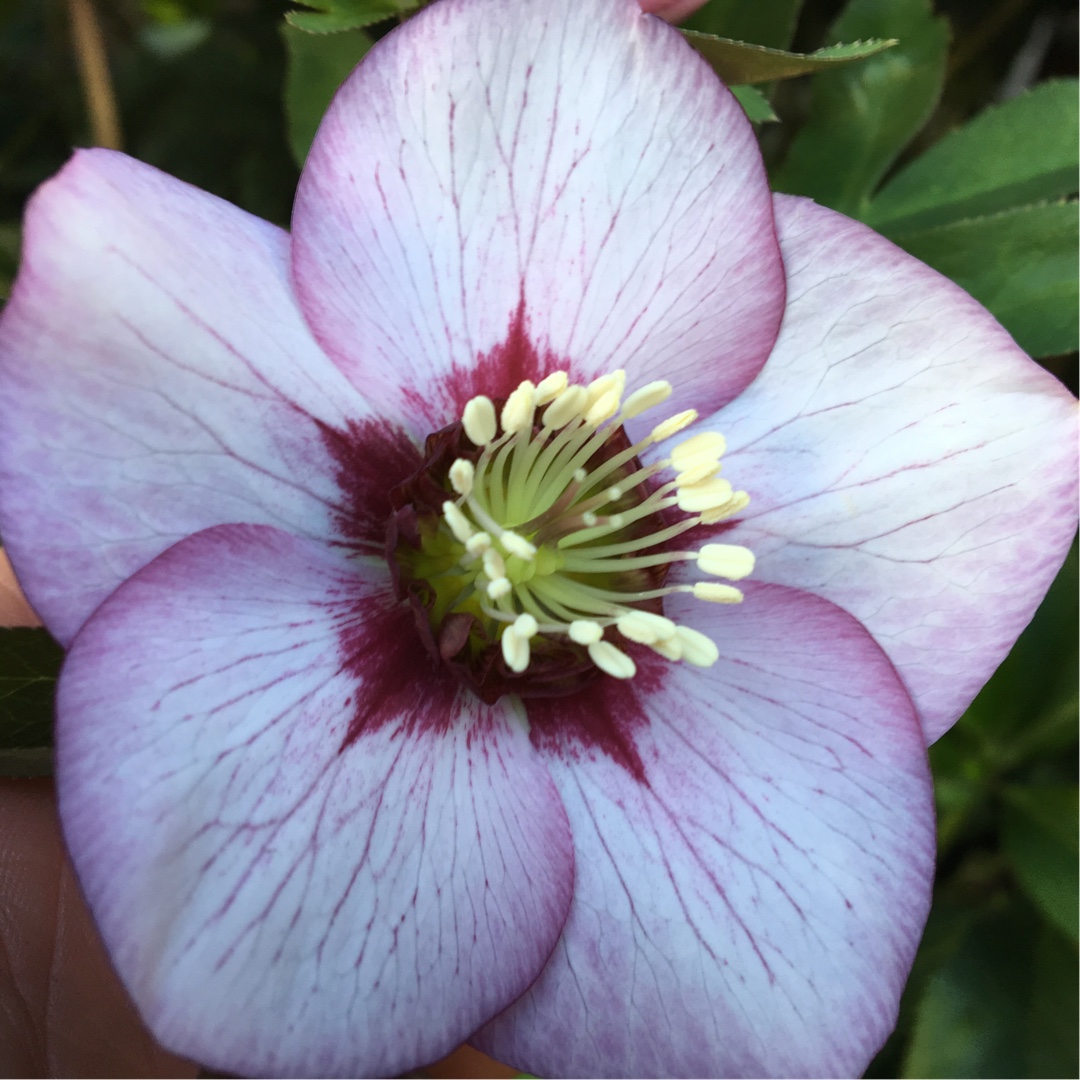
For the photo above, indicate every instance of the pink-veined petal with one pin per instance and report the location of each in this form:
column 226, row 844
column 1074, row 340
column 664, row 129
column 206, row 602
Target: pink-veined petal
column 904, row 459
column 157, row 379
column 499, row 189
column 14, row 610
column 307, row 854
column 751, row 905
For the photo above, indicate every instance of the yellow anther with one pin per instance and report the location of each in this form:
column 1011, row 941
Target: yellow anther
column 478, row 544
column 702, row 447
column 459, row 524
column 644, row 627
column 569, row 405
column 515, row 650
column 612, row 660
column 494, row 566
column 516, row 545
column 673, row 425
column 697, row 649
column 517, row 413
column 478, row 419
column 499, row 588
column 548, row 389
column 707, row 495
column 585, row 631
column 646, row 397
column 726, row 560
column 603, row 408
column 705, row 471
column 462, row 474
column 526, row 625
column 614, row 381
column 738, row 501
column 716, row 593
column 669, row 648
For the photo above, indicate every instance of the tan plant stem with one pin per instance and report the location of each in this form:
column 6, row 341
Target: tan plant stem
column 94, row 70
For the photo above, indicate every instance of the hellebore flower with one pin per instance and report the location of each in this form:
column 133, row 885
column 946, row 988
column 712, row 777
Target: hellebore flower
column 398, row 708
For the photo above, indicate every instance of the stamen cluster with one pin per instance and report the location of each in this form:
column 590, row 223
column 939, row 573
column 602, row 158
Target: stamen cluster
column 553, row 530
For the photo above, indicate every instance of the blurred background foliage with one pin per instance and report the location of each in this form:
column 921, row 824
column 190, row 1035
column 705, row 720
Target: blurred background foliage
column 960, row 144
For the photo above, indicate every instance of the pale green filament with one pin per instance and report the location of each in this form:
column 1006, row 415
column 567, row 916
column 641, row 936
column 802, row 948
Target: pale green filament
column 522, row 544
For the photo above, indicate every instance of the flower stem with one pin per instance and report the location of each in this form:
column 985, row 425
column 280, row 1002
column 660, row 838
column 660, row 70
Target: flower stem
column 94, row 70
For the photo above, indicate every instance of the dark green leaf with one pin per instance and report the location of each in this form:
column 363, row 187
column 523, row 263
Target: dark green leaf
column 962, row 783
column 1022, row 152
column 29, row 663
column 755, row 104
column 317, row 66
column 1028, row 708
column 212, row 116
column 10, row 241
column 1021, row 264
column 333, row 16
column 947, row 928
column 1040, row 840
column 1055, row 1003
column 764, row 22
column 1024, row 716
column 863, row 115
column 970, row 1020
column 739, row 63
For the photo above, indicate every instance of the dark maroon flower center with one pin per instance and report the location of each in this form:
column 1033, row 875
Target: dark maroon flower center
column 532, row 545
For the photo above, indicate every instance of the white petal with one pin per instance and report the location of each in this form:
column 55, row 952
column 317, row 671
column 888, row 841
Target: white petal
column 501, row 190
column 157, row 378
column 754, row 856
column 307, row 852
column 903, row 458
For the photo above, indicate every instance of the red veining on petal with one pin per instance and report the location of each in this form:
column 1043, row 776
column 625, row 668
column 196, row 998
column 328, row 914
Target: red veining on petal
column 498, row 373
column 602, row 717
column 372, row 459
column 399, row 681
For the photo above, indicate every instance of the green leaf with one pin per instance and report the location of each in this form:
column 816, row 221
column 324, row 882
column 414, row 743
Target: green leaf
column 764, row 22
column 317, row 66
column 1021, row 264
column 1028, row 708
column 962, row 783
column 863, row 115
column 739, row 63
column 947, row 927
column 1040, row 832
column 1024, row 717
column 755, row 104
column 10, row 242
column 1055, row 1002
column 333, row 16
column 1024, row 151
column 29, row 664
column 971, row 1018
